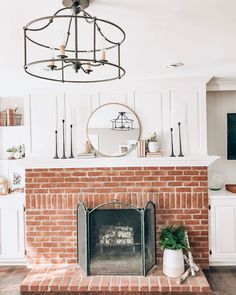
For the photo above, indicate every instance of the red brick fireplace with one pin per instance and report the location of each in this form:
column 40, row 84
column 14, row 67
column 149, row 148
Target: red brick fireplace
column 52, row 195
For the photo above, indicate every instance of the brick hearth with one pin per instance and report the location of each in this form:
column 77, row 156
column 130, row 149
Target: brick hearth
column 72, row 280
column 180, row 195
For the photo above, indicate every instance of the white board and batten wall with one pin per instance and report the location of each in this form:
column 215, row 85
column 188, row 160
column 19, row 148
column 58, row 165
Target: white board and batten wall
column 157, row 109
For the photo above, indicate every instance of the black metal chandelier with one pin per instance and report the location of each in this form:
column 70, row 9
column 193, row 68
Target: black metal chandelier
column 67, row 60
column 122, row 123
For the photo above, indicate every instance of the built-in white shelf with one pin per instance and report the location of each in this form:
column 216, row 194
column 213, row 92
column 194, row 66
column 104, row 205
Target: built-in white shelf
column 221, row 194
column 5, row 161
column 10, row 127
column 119, row 162
column 15, row 196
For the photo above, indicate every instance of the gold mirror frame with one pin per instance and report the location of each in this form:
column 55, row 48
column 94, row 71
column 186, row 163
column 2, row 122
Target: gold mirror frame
column 119, row 104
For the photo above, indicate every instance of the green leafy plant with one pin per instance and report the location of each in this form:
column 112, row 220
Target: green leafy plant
column 173, row 238
column 153, row 137
column 12, row 150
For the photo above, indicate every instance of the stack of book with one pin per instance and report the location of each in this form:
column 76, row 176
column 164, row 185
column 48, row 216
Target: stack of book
column 141, row 148
column 86, row 156
column 154, row 155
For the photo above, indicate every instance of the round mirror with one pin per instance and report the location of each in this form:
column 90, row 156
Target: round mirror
column 113, row 130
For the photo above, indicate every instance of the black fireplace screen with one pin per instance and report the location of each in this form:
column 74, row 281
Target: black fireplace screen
column 116, row 239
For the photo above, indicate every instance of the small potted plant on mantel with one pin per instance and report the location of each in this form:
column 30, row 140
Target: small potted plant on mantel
column 173, row 242
column 153, row 143
column 10, row 153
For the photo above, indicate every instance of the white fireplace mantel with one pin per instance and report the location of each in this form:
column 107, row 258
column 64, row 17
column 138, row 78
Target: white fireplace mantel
column 100, row 162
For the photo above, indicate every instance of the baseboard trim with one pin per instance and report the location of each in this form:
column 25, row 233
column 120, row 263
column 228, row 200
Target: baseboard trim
column 21, row 262
column 223, row 263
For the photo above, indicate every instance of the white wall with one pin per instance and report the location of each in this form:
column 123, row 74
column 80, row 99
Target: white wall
column 218, row 105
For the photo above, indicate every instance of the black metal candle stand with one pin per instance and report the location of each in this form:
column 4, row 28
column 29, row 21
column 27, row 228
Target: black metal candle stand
column 172, row 143
column 180, row 141
column 63, row 138
column 56, row 145
column 71, row 142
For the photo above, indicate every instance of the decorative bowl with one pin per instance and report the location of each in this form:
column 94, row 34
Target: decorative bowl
column 231, row 188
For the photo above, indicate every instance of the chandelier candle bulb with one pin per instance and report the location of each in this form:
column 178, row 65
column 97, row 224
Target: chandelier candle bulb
column 103, row 56
column 88, row 67
column 52, row 63
column 62, row 50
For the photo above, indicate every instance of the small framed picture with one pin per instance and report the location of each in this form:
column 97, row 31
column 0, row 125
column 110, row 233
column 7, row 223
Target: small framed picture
column 17, row 180
column 132, row 147
column 132, row 144
column 124, row 148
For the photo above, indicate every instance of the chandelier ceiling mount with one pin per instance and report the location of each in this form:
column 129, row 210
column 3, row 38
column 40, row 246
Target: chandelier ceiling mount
column 76, row 3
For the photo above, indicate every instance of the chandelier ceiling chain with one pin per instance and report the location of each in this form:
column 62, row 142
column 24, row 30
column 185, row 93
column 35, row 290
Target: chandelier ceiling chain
column 77, row 58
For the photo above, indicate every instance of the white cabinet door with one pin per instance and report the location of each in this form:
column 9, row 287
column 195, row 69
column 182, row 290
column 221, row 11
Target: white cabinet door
column 223, row 232
column 12, row 241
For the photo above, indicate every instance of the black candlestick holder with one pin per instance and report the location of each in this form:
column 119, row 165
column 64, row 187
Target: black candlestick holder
column 180, row 141
column 63, row 138
column 56, row 146
column 71, row 143
column 172, row 143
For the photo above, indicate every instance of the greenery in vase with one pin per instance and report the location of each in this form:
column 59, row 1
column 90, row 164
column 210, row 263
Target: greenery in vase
column 173, row 238
column 153, row 137
column 12, row 150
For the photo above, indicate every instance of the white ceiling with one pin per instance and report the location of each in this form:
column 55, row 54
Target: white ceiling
column 199, row 33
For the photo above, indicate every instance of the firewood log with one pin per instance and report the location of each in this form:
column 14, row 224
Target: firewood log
column 190, row 256
column 194, row 266
column 184, row 276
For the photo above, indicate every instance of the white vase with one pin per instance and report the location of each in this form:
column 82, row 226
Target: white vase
column 153, row 147
column 10, row 155
column 173, row 263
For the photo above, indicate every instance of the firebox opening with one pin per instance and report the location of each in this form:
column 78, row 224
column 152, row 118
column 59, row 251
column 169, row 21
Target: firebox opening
column 116, row 239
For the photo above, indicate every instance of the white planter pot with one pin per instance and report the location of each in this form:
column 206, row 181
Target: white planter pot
column 10, row 155
column 173, row 263
column 153, row 147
